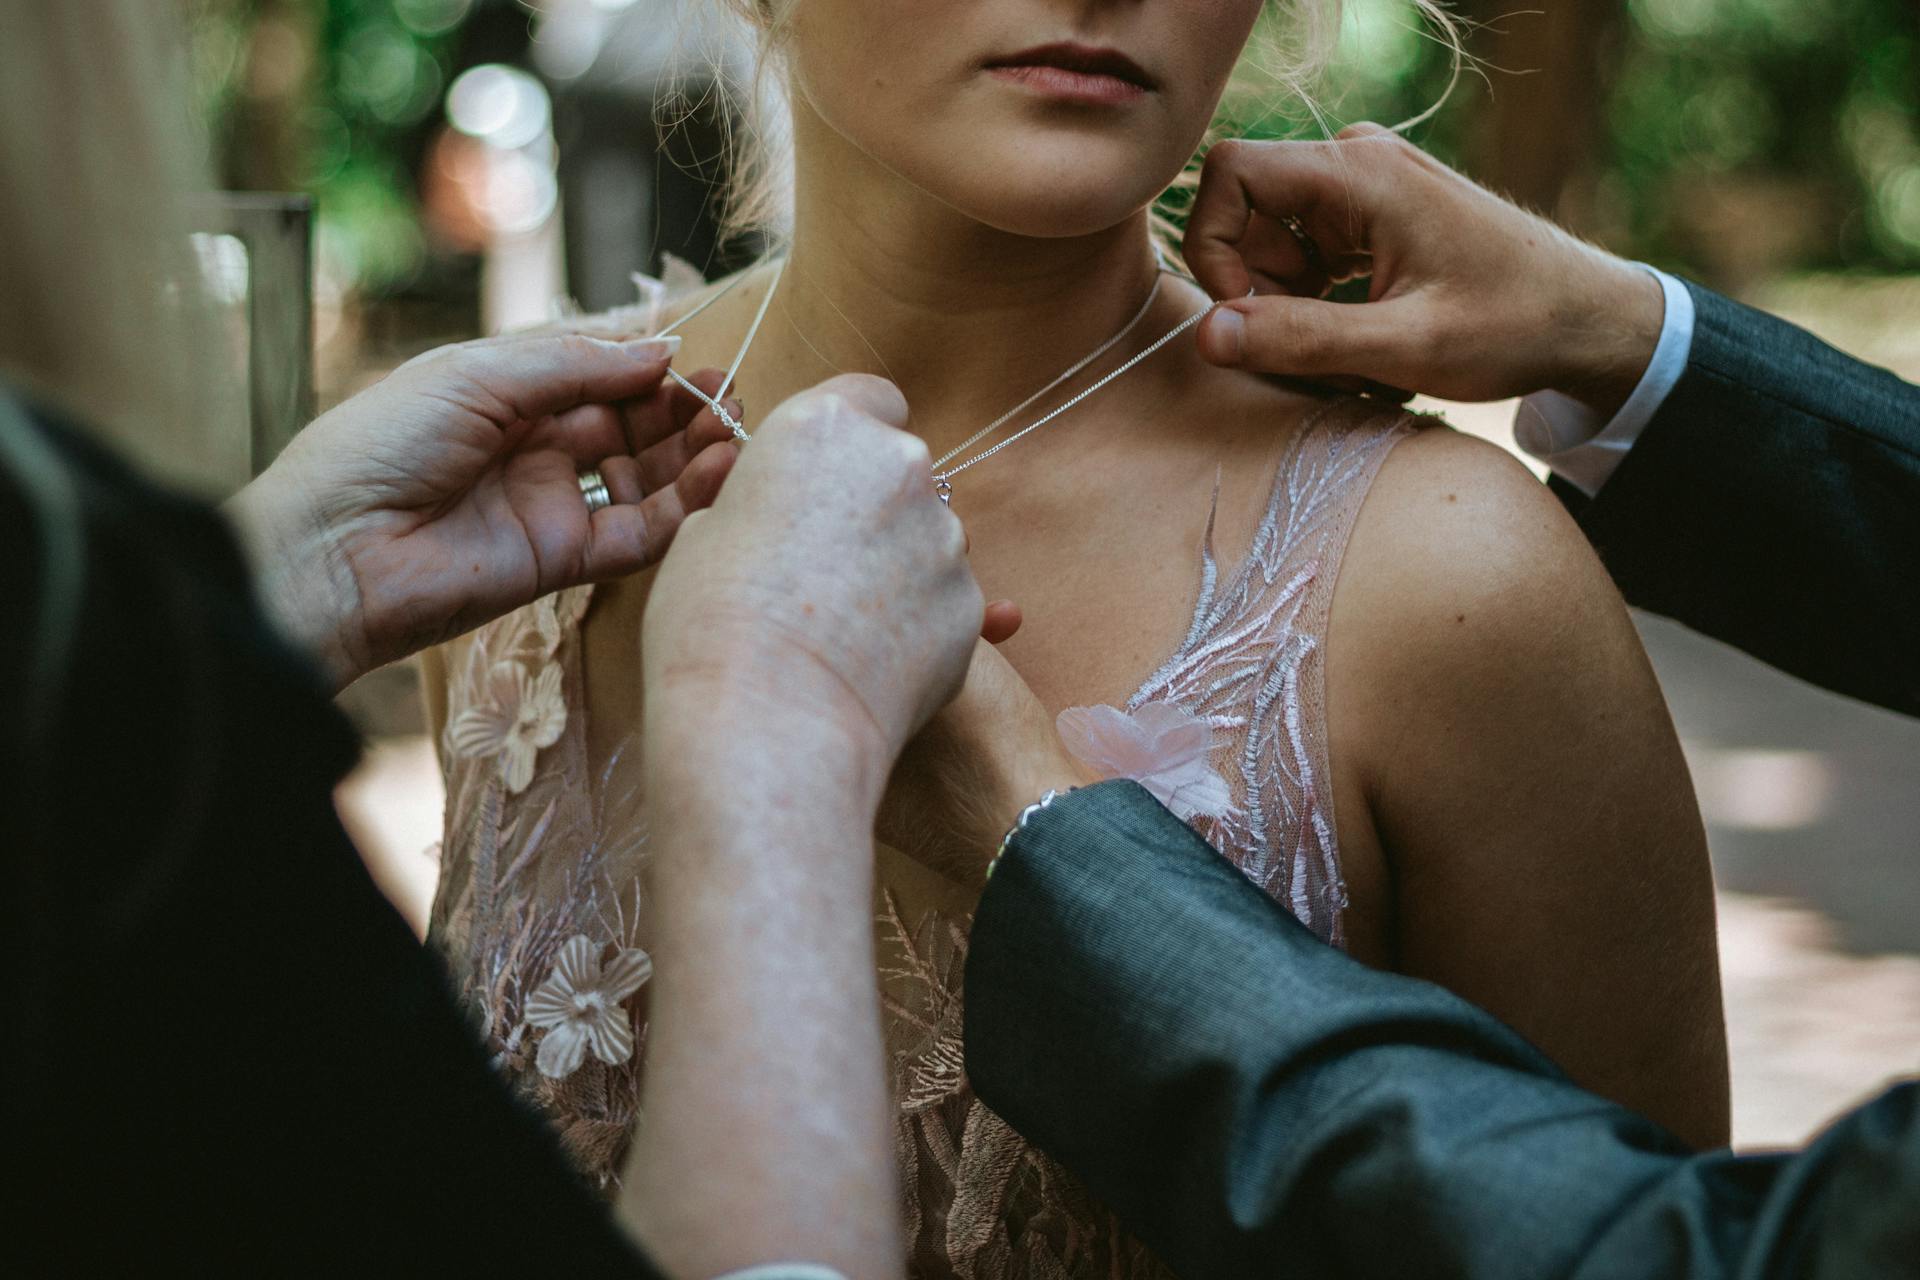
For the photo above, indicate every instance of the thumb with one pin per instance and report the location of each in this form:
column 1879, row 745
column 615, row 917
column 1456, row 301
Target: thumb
column 529, row 378
column 874, row 396
column 1306, row 337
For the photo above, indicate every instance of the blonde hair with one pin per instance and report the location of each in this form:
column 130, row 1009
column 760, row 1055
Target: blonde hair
column 103, row 314
column 1292, row 47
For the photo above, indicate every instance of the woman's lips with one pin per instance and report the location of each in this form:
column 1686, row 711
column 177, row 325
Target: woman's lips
column 1073, row 72
column 1062, row 84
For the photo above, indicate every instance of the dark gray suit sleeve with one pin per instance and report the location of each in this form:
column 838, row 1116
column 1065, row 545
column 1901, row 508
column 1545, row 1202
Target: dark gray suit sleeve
column 1774, row 503
column 1253, row 1103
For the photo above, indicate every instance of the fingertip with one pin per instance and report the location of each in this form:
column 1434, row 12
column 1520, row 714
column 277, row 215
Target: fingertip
column 878, row 397
column 708, row 428
column 1223, row 337
column 1000, row 621
column 709, row 380
column 1217, row 267
column 686, row 409
column 704, row 477
column 660, row 349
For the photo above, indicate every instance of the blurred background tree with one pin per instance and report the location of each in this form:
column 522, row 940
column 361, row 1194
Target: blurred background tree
column 334, row 98
column 1732, row 139
column 1735, row 139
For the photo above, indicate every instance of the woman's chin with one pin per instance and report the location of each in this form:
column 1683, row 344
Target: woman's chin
column 1054, row 207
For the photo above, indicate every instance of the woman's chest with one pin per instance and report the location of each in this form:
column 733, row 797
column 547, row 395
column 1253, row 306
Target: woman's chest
column 1106, row 577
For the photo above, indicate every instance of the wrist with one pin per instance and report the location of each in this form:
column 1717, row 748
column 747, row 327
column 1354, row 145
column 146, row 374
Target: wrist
column 293, row 575
column 750, row 745
column 1616, row 326
column 779, row 829
column 1019, row 824
column 1022, row 783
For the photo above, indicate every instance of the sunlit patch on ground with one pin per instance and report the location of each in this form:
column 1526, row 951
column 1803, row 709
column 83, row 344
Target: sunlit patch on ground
column 1761, row 790
column 1812, row 1029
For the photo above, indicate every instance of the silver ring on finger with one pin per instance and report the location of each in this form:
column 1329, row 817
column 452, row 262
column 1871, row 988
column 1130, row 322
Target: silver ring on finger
column 1309, row 247
column 593, row 487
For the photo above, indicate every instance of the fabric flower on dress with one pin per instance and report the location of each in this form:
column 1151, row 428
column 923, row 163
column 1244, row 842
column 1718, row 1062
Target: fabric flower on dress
column 557, row 614
column 1161, row 747
column 520, row 717
column 546, row 624
column 579, row 1006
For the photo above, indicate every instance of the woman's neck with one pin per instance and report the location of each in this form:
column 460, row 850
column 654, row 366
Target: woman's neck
column 967, row 320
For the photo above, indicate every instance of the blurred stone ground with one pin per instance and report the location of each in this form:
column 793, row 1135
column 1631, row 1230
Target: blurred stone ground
column 1812, row 805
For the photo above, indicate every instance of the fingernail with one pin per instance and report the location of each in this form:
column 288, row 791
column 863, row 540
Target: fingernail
column 655, row 348
column 1227, row 336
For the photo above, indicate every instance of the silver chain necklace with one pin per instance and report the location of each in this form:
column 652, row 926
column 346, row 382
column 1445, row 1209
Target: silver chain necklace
column 732, row 423
column 942, row 473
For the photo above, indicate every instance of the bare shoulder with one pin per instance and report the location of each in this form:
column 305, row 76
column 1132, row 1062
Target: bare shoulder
column 1456, row 533
column 1516, row 819
column 1230, row 419
column 1471, row 612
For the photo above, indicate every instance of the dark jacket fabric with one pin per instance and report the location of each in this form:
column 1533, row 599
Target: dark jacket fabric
column 1255, row 1104
column 226, row 1054
column 1774, row 503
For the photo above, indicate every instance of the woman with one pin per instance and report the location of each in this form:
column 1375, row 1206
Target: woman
column 1369, row 658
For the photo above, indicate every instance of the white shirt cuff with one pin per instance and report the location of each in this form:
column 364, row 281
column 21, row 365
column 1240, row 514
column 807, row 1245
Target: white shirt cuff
column 1574, row 441
column 784, row 1271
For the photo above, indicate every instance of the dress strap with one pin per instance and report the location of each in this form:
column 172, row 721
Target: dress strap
column 1253, row 660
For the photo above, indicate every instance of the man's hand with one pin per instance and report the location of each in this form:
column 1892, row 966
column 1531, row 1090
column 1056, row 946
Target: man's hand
column 826, row 596
column 1471, row 297
column 963, row 781
column 448, row 494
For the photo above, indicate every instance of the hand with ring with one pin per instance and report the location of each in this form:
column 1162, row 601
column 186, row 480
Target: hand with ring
column 473, row 481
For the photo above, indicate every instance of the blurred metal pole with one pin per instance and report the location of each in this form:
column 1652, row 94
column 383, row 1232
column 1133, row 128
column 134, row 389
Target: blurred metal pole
column 277, row 233
column 631, row 195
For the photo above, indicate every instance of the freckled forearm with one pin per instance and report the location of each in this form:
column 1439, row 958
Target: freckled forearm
column 766, row 1130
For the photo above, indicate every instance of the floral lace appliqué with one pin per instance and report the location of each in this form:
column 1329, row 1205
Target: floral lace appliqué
column 522, row 716
column 579, row 1006
column 1163, row 748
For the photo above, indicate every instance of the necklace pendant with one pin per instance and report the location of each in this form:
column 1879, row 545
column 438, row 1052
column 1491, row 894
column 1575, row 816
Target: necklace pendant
column 943, row 490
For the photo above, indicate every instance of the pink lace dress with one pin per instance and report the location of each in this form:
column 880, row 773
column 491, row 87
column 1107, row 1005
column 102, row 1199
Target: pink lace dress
column 539, row 918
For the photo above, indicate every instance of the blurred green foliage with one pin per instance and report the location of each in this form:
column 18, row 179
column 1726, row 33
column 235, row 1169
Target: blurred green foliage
column 1816, row 99
column 1826, row 94
column 370, row 74
column 384, row 67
